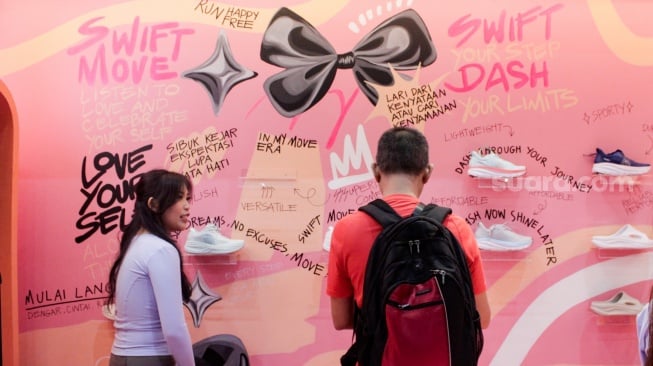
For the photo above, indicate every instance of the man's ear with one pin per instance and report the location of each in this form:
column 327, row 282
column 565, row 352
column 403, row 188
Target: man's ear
column 427, row 173
column 376, row 172
column 152, row 204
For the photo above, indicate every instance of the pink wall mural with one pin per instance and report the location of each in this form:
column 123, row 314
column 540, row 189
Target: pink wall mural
column 274, row 108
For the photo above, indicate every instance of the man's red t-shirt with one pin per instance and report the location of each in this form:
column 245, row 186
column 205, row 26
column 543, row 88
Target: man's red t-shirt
column 354, row 235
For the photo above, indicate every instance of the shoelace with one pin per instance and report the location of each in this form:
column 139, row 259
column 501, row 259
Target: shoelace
column 503, row 227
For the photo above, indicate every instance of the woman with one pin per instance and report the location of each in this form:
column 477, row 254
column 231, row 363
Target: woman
column 147, row 283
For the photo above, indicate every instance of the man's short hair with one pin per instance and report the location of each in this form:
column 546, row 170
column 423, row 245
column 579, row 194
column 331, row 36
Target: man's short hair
column 402, row 150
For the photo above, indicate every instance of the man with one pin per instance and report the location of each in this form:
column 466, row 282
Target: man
column 401, row 170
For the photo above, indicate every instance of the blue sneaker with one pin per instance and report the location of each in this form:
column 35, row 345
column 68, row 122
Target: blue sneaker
column 616, row 163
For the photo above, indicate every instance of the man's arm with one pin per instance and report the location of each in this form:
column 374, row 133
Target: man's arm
column 463, row 232
column 483, row 307
column 342, row 312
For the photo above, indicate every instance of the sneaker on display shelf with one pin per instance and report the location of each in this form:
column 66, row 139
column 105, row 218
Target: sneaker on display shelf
column 616, row 163
column 620, row 304
column 627, row 237
column 500, row 237
column 492, row 166
column 326, row 245
column 210, row 241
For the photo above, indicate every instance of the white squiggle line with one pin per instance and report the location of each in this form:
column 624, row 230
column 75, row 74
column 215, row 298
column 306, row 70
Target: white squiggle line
column 368, row 15
column 622, row 41
column 361, row 20
column 565, row 294
column 355, row 156
column 353, row 27
column 103, row 358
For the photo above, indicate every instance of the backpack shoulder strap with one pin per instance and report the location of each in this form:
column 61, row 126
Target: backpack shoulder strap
column 381, row 211
column 385, row 215
column 439, row 213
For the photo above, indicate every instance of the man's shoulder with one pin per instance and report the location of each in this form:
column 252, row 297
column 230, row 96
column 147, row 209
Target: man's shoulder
column 355, row 225
column 353, row 218
column 455, row 220
column 458, row 227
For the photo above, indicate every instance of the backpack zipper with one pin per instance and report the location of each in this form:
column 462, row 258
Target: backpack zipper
column 413, row 307
column 446, row 315
column 415, row 243
column 440, row 272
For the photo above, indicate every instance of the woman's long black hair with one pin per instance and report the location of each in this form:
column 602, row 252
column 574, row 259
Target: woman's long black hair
column 164, row 187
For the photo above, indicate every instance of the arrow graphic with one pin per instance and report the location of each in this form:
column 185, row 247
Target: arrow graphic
column 540, row 208
column 511, row 133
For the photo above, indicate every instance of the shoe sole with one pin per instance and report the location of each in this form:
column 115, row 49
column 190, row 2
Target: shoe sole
column 621, row 245
column 618, row 169
column 615, row 310
column 494, row 173
column 501, row 246
column 202, row 249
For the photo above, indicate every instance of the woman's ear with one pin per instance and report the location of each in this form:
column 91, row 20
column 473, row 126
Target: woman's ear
column 152, row 204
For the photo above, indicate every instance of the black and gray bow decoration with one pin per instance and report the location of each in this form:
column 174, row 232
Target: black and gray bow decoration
column 401, row 42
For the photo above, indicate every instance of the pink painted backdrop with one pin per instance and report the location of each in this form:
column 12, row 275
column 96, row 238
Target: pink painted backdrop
column 103, row 93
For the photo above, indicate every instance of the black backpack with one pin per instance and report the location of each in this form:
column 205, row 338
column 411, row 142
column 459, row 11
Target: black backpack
column 418, row 303
column 221, row 350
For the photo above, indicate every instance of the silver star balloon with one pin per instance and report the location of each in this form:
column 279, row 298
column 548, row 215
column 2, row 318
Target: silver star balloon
column 220, row 73
column 200, row 299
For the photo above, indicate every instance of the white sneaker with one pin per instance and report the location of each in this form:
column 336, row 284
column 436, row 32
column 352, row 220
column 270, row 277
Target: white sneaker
column 620, row 304
column 326, row 245
column 500, row 237
column 210, row 241
column 627, row 237
column 492, row 166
